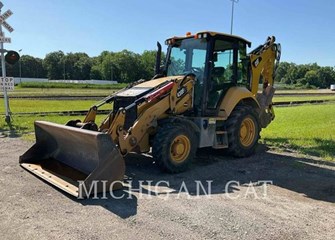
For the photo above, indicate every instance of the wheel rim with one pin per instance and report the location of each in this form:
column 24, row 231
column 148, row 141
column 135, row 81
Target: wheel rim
column 247, row 132
column 180, row 149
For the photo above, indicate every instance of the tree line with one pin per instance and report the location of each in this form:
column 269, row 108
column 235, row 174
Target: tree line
column 305, row 75
column 126, row 66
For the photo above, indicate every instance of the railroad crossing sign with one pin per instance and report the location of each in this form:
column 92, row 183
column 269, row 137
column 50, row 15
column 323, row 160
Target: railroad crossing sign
column 4, row 39
column 6, row 15
column 3, row 17
column 7, row 83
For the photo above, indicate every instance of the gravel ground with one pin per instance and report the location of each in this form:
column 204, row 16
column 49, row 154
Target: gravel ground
column 299, row 204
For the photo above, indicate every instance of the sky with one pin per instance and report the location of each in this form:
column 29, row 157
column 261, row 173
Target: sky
column 303, row 27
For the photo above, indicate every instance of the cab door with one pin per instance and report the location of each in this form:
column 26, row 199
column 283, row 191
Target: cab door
column 225, row 70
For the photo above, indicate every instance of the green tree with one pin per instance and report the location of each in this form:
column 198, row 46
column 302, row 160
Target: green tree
column 312, row 78
column 83, row 67
column 31, row 67
column 281, row 72
column 125, row 66
column 130, row 66
column 326, row 76
column 54, row 63
column 148, row 60
column 77, row 66
column 108, row 68
column 292, row 74
column 96, row 71
column 104, row 67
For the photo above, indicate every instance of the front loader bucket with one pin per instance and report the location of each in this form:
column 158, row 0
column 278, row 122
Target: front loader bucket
column 78, row 161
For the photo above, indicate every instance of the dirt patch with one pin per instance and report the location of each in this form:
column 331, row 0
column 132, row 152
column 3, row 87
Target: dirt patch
column 298, row 204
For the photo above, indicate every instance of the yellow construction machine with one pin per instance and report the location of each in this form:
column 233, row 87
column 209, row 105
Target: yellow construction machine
column 206, row 94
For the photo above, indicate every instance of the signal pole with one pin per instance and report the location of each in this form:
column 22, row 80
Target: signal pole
column 3, row 67
column 7, row 83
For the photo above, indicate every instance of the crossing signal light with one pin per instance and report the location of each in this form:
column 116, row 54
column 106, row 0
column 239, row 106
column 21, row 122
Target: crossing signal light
column 12, row 57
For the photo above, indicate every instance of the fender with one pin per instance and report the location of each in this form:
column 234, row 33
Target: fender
column 235, row 95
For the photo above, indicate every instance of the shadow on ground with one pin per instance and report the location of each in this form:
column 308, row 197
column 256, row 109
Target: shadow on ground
column 325, row 147
column 11, row 130
column 312, row 178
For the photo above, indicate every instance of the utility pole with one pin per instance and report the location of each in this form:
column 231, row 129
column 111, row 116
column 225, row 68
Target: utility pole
column 232, row 15
column 232, row 21
column 111, row 72
column 20, row 67
column 64, row 67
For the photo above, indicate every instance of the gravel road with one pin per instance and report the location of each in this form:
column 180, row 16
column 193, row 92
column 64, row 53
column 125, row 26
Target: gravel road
column 299, row 204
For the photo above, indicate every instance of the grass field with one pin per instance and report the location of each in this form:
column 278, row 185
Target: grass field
column 303, row 98
column 24, row 125
column 303, row 91
column 29, row 105
column 308, row 129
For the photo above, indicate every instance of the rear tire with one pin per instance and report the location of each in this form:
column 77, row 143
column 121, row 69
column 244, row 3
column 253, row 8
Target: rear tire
column 174, row 147
column 243, row 131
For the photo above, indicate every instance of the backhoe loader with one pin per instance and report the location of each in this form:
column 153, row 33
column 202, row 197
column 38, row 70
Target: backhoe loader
column 205, row 95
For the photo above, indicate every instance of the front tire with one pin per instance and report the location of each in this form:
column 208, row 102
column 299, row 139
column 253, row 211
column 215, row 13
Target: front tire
column 243, row 131
column 174, row 147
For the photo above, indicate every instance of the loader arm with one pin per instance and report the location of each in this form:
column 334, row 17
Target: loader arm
column 154, row 106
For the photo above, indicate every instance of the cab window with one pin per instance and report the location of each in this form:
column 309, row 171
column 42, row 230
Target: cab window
column 221, row 71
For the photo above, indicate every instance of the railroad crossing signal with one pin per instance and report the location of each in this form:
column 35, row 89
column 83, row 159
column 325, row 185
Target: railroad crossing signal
column 7, row 83
column 12, row 57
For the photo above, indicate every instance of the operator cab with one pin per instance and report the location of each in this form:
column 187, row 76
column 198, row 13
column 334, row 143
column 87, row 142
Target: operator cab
column 219, row 61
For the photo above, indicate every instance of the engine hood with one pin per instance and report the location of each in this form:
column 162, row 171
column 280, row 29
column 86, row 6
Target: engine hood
column 156, row 82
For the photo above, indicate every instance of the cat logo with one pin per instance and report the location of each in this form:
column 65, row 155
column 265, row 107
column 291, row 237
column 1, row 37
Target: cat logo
column 257, row 62
column 181, row 92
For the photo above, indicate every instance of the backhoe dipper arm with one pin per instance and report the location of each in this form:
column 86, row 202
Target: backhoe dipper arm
column 264, row 62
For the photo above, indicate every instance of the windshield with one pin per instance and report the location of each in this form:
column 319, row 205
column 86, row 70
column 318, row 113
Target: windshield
column 187, row 56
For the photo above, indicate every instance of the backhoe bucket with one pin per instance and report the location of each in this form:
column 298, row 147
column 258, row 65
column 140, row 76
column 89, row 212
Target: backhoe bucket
column 78, row 161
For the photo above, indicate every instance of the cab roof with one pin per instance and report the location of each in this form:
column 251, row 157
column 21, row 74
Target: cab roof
column 213, row 34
